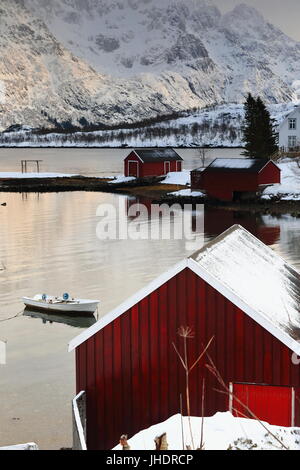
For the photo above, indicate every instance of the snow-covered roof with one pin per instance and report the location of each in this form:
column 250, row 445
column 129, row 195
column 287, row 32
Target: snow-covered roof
column 155, row 154
column 248, row 273
column 240, row 164
column 292, row 114
column 255, row 274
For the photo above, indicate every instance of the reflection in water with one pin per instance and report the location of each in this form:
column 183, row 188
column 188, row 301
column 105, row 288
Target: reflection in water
column 77, row 321
column 217, row 221
column 49, row 244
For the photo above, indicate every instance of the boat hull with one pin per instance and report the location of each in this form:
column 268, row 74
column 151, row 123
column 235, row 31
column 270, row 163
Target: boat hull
column 84, row 307
column 77, row 320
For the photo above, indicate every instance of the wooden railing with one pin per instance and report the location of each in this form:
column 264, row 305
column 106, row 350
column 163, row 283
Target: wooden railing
column 79, row 421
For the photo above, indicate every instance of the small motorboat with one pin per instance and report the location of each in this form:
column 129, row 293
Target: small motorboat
column 62, row 304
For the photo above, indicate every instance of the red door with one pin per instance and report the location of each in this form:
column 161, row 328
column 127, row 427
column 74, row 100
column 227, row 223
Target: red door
column 133, row 169
column 268, row 403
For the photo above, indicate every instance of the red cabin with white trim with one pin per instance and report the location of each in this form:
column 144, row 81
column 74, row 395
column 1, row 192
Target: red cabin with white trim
column 236, row 290
column 142, row 163
column 230, row 179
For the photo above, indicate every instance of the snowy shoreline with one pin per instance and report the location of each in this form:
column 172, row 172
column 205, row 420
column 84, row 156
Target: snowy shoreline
column 216, row 126
column 287, row 190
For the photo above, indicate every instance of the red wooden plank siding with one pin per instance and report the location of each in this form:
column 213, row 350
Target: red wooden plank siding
column 173, row 394
column 154, row 356
column 269, row 174
column 130, row 368
column 91, row 383
column 145, row 335
column 99, row 406
column 131, row 373
column 221, row 184
column 164, row 347
column 258, row 354
column 117, row 371
column 193, row 348
column 109, row 380
column 148, row 168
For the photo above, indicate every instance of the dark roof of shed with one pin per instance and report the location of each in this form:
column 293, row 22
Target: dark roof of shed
column 154, row 155
column 253, row 165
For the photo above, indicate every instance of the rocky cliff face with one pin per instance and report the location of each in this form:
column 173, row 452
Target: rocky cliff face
column 127, row 60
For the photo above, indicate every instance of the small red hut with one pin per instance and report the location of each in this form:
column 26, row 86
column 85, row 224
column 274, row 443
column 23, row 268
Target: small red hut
column 235, row 289
column 230, row 179
column 143, row 162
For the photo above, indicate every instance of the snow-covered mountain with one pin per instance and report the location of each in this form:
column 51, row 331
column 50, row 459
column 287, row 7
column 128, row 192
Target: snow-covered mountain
column 126, row 60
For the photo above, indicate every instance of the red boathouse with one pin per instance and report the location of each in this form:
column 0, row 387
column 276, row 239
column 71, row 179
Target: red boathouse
column 143, row 162
column 230, row 179
column 235, row 289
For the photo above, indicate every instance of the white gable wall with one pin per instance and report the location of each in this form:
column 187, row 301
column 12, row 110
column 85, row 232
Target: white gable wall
column 285, row 131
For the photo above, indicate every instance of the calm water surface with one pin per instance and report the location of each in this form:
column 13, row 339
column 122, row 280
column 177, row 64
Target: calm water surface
column 48, row 243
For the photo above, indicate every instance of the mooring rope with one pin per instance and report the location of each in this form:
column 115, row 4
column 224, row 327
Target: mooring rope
column 11, row 318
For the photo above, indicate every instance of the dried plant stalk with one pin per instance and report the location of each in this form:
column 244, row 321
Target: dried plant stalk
column 161, row 442
column 187, row 333
column 124, row 443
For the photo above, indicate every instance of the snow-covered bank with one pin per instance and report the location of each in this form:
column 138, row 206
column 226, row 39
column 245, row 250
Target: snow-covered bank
column 289, row 188
column 15, row 175
column 186, row 193
column 28, row 446
column 182, row 178
column 221, row 432
column 121, row 179
column 215, row 126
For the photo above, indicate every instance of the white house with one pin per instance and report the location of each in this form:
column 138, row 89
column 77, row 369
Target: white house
column 289, row 131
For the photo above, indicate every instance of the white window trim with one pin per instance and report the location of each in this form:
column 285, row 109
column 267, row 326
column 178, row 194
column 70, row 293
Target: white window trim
column 294, row 127
column 294, row 139
column 177, row 164
column 165, row 164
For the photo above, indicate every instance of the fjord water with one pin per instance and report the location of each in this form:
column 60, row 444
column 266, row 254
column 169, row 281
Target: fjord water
column 48, row 243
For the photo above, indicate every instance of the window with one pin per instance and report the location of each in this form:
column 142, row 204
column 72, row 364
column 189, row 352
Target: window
column 292, row 141
column 292, row 123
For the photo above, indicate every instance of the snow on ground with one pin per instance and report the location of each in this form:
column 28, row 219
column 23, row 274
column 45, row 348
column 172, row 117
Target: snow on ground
column 187, row 193
column 182, row 178
column 28, row 446
column 33, row 175
column 289, row 188
column 221, row 432
column 122, row 179
column 218, row 126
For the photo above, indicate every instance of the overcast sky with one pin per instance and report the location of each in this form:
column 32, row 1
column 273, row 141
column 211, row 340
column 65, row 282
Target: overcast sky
column 282, row 13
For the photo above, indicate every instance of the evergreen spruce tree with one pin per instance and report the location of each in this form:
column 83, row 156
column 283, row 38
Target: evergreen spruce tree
column 259, row 135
